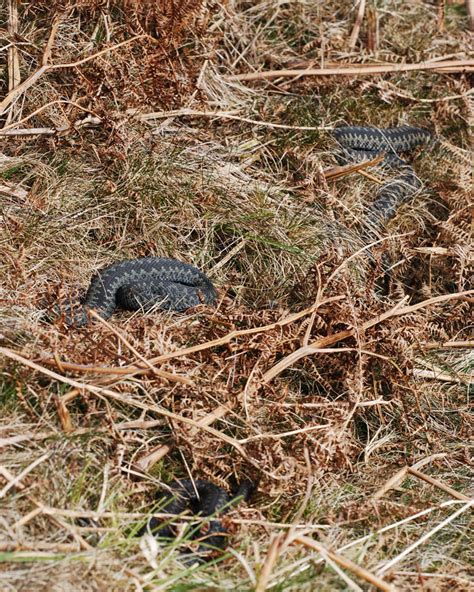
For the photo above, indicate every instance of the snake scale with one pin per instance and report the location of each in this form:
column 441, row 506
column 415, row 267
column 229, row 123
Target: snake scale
column 142, row 284
column 366, row 143
column 204, row 499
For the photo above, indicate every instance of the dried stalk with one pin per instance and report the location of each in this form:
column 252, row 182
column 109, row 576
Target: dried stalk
column 269, row 563
column 34, row 131
column 345, row 563
column 341, row 171
column 385, row 567
column 17, row 480
column 155, row 371
column 458, row 495
column 221, row 115
column 14, row 75
column 40, row 110
column 470, row 13
column 450, row 66
column 355, row 31
column 394, row 481
column 140, row 369
column 146, row 461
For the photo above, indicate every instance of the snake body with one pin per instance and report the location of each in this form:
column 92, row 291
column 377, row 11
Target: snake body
column 141, row 284
column 374, row 139
column 201, row 498
column 366, row 143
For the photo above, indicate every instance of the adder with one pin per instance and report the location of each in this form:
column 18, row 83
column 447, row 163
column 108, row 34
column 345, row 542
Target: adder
column 202, row 498
column 141, row 284
column 366, row 143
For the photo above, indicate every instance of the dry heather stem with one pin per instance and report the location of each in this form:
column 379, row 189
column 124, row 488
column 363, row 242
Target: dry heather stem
column 456, row 494
column 357, row 24
column 14, row 74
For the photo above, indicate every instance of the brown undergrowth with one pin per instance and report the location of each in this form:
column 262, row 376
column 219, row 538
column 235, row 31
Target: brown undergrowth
column 343, row 392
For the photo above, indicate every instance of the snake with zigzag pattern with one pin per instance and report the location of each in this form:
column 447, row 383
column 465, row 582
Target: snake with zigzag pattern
column 366, row 143
column 141, row 284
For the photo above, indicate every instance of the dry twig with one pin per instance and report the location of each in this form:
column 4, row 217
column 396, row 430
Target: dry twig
column 447, row 66
column 389, row 564
column 146, row 117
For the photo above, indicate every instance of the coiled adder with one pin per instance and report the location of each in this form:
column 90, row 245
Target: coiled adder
column 201, row 498
column 366, row 143
column 141, row 284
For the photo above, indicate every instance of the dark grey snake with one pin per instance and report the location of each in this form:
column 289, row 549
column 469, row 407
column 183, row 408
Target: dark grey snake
column 141, row 284
column 202, row 498
column 366, row 143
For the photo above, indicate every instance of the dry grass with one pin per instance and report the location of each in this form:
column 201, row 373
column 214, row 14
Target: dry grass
column 351, row 406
